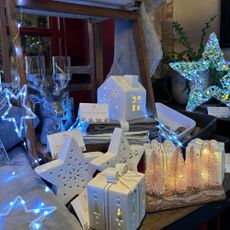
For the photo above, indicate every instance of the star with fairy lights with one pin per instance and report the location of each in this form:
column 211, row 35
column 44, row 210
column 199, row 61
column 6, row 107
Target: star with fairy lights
column 211, row 57
column 214, row 55
column 41, row 211
column 27, row 112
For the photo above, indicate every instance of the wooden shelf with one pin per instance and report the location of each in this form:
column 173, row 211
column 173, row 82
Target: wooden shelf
column 58, row 8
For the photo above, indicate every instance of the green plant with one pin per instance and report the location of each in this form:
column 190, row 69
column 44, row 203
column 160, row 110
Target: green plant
column 189, row 53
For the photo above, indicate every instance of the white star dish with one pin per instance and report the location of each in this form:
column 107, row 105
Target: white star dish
column 119, row 152
column 70, row 173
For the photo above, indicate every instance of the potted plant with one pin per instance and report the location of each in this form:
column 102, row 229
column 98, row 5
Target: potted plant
column 181, row 86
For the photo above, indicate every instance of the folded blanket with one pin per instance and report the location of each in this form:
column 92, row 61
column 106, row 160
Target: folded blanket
column 137, row 131
column 133, row 138
column 135, row 125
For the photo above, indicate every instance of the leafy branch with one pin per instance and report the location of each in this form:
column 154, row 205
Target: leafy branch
column 203, row 34
column 189, row 53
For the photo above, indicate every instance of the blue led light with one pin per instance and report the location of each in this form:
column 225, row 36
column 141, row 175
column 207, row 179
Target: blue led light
column 46, row 213
column 23, row 202
column 43, row 212
column 168, row 134
column 19, row 25
column 37, row 226
column 20, row 2
column 18, row 51
column 37, row 210
column 29, row 114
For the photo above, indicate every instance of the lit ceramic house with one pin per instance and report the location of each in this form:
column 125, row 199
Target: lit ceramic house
column 125, row 96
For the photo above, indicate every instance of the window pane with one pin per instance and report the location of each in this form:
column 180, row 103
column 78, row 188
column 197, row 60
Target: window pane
column 33, row 21
column 37, row 45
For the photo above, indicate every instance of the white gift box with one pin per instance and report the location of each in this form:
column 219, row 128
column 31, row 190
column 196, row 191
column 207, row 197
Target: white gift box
column 116, row 199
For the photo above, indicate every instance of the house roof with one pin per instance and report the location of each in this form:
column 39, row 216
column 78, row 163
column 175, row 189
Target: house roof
column 125, row 85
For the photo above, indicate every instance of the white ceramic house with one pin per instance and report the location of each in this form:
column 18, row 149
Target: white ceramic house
column 125, row 96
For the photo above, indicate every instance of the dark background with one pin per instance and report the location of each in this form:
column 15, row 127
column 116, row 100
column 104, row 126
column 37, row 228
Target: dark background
column 225, row 24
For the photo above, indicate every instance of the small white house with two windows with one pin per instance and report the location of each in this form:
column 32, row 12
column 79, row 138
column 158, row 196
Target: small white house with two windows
column 125, row 96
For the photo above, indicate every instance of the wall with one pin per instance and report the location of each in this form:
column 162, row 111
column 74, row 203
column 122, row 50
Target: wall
column 193, row 14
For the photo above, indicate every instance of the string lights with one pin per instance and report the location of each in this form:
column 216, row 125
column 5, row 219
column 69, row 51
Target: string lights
column 34, row 161
column 212, row 57
column 41, row 211
column 169, row 134
column 77, row 125
column 28, row 114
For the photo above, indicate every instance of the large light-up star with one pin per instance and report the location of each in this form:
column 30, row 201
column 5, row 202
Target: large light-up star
column 27, row 112
column 191, row 70
column 41, row 211
column 212, row 57
column 213, row 54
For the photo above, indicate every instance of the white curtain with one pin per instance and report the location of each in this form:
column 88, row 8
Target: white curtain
column 125, row 57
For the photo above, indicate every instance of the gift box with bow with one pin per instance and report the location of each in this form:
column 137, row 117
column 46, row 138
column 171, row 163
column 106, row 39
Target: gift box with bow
column 116, row 199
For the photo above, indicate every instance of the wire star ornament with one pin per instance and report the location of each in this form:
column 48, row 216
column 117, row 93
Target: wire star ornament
column 41, row 211
column 27, row 112
column 193, row 71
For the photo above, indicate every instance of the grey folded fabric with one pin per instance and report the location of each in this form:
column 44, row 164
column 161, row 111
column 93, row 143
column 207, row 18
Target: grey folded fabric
column 139, row 131
column 148, row 124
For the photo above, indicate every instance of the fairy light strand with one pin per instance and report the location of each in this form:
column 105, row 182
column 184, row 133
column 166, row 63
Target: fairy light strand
column 169, row 134
column 22, row 94
column 41, row 210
